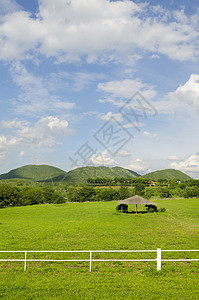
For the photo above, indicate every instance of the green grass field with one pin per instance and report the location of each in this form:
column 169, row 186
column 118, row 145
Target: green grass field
column 95, row 226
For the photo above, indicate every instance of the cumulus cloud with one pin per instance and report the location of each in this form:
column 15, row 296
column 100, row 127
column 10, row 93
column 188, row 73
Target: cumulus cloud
column 67, row 30
column 111, row 117
column 124, row 153
column 188, row 94
column 137, row 165
column 45, row 132
column 184, row 99
column 150, row 135
column 102, row 159
column 126, row 89
column 7, row 144
column 191, row 164
column 9, row 6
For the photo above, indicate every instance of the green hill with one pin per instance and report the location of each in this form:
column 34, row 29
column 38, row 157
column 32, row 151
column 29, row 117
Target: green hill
column 80, row 175
column 34, row 172
column 167, row 174
column 76, row 176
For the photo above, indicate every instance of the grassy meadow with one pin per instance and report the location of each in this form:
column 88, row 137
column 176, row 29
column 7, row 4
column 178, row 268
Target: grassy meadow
column 97, row 226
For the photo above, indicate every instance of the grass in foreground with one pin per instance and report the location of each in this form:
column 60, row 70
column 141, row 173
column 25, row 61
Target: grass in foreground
column 95, row 226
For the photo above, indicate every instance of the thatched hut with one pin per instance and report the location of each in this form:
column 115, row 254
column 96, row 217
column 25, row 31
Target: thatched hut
column 136, row 200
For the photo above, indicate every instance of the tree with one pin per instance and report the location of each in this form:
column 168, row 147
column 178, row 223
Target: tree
column 9, row 195
column 163, row 192
column 124, row 192
column 139, row 188
column 31, row 196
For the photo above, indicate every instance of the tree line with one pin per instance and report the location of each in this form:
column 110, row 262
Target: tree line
column 18, row 196
column 88, row 193
column 22, row 193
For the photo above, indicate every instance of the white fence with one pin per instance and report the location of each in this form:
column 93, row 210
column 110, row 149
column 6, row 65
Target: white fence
column 158, row 258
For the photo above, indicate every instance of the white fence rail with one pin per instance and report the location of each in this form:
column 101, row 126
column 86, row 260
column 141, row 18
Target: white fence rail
column 158, row 258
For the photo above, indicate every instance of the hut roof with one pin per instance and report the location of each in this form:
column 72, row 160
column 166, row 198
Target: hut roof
column 136, row 200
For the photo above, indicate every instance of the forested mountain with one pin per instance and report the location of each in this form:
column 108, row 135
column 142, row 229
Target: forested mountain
column 34, row 172
column 167, row 174
column 81, row 175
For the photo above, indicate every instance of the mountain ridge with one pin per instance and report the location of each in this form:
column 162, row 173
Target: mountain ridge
column 41, row 173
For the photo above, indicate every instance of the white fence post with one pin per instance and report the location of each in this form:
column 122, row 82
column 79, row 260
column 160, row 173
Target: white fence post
column 159, row 259
column 25, row 261
column 90, row 261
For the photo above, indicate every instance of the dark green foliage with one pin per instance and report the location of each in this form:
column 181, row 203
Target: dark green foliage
column 81, row 194
column 122, row 208
column 162, row 209
column 163, row 192
column 140, row 189
column 87, row 193
column 9, row 195
column 15, row 196
column 73, row 194
column 149, row 192
column 124, row 192
column 191, row 191
column 107, row 194
column 30, row 196
column 151, row 208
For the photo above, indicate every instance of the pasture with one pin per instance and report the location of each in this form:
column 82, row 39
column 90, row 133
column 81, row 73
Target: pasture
column 97, row 226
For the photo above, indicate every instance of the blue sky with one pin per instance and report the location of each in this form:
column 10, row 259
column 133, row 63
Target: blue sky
column 99, row 82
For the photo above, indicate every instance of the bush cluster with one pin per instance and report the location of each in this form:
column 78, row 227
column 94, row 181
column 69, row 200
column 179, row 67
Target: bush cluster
column 15, row 196
column 88, row 193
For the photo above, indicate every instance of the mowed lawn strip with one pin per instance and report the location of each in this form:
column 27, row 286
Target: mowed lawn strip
column 97, row 226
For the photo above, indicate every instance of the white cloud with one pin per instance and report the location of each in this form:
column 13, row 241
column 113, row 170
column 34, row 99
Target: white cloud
column 22, row 153
column 19, row 33
column 13, row 124
column 191, row 164
column 111, row 117
column 173, row 157
column 150, row 135
column 67, row 30
column 37, row 94
column 137, row 165
column 45, row 132
column 7, row 142
column 75, row 81
column 134, row 125
column 183, row 100
column 188, row 94
column 9, row 6
column 155, row 56
column 124, row 153
column 126, row 89
column 102, row 159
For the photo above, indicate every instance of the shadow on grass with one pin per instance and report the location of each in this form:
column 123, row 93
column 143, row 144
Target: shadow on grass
column 132, row 212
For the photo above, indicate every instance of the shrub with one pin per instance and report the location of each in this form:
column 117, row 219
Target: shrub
column 151, row 208
column 162, row 209
column 122, row 208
